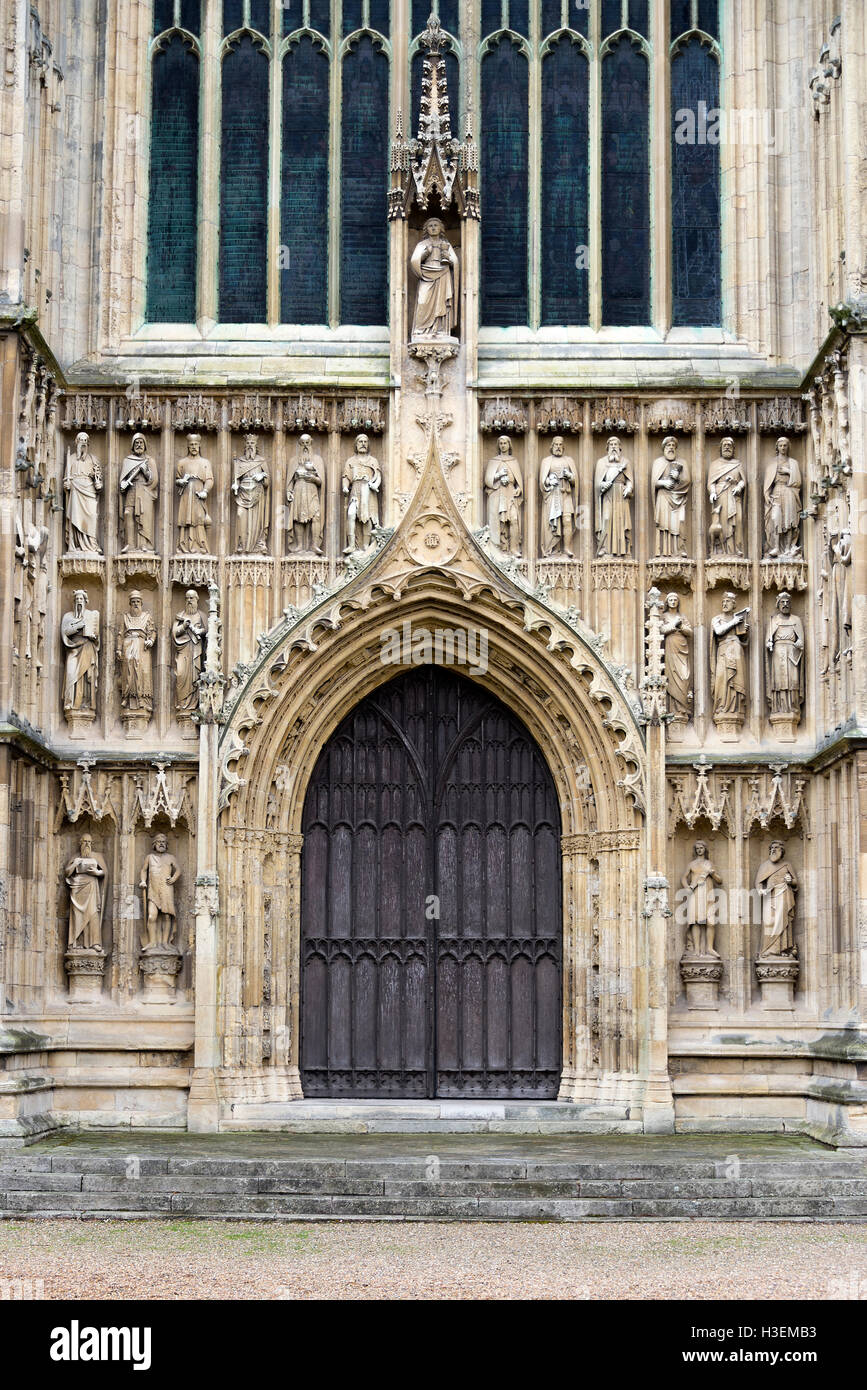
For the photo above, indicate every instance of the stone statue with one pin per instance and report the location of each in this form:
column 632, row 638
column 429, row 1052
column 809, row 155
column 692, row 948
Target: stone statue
column 782, row 492
column 159, row 874
column 840, row 635
column 188, row 636
column 558, row 482
column 136, row 636
column 698, row 882
column 613, row 486
column 504, row 486
column 676, row 631
column 250, row 483
column 730, row 634
column 85, row 876
column 784, row 662
column 82, row 483
column 195, row 479
column 362, row 482
column 726, row 485
column 139, row 487
column 777, row 884
column 670, row 479
column 79, row 632
column 304, row 495
column 437, row 266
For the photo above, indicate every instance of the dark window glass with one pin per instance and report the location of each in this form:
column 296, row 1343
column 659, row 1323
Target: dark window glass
column 625, row 187
column 233, row 15
column 579, row 17
column 680, row 17
column 304, row 186
column 492, row 12
column 612, row 16
column 174, row 179
column 695, row 190
column 363, row 187
column 420, row 11
column 352, row 13
column 551, row 13
column 243, row 184
column 191, row 15
column 320, row 17
column 708, row 17
column 638, row 16
column 504, row 186
column 450, row 16
column 453, row 79
column 260, row 16
column 565, row 155
column 379, row 16
column 164, row 15
column 519, row 17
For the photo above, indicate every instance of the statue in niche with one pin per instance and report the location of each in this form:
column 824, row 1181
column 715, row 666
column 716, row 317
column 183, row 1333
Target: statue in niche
column 136, row 636
column 195, row 479
column 504, row 486
column 139, row 488
column 730, row 635
column 670, row 479
column 304, row 494
column 777, row 884
column 840, row 635
column 784, row 661
column 362, row 483
column 79, row 632
column 189, row 631
column 614, row 486
column 82, row 483
column 676, row 631
column 250, row 483
column 435, row 262
column 85, row 876
column 159, row 874
column 726, row 486
column 702, row 911
column 558, row 482
column 782, row 493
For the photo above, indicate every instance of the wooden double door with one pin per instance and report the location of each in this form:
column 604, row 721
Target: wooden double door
column 431, row 901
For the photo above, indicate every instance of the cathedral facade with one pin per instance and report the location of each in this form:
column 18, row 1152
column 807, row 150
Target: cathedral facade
column 433, row 656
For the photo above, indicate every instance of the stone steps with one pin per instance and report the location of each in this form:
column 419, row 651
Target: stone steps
column 81, row 1179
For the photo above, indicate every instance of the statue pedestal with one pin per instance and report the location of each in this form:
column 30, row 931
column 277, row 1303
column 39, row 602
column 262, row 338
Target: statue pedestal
column 135, row 724
column 728, row 726
column 701, row 976
column 159, row 967
column 79, row 722
column 85, row 970
column 189, row 729
column 777, row 977
column 785, row 726
column 675, row 729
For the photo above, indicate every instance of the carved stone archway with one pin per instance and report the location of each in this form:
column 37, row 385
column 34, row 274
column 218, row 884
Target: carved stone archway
column 310, row 673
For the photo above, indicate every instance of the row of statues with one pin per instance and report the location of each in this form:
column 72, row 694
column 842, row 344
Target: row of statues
column 776, row 886
column 361, row 484
column 730, row 635
column 137, row 633
column 86, row 878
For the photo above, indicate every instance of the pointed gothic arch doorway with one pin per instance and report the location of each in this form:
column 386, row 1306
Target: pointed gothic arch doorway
column 431, row 901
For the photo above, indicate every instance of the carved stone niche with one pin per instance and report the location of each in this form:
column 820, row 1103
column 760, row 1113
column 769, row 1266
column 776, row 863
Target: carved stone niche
column 700, row 909
column 501, row 415
column 162, row 875
column 306, row 415
column 671, row 416
column 560, row 415
column 364, row 414
column 85, row 906
column 776, row 877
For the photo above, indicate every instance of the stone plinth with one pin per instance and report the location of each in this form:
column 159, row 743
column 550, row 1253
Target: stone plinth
column 85, row 970
column 777, row 977
column 701, row 976
column 135, row 724
column 728, row 726
column 159, row 967
column 785, row 726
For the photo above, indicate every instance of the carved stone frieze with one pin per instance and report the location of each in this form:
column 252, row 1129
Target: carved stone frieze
column 500, row 415
column 164, row 791
column 85, row 412
column 367, row 413
column 84, row 794
column 777, row 794
column 782, row 415
column 615, row 414
column 663, row 416
column 560, row 415
column 251, row 412
column 196, row 412
column 139, row 411
column 310, row 413
column 703, row 794
column 726, row 415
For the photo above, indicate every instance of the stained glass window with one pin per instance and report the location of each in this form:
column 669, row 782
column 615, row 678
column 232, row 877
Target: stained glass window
column 303, row 254
column 681, row 17
column 174, row 178
column 164, row 15
column 233, row 15
column 320, row 16
column 638, row 17
column 260, row 16
column 551, row 16
column 243, row 184
column 565, row 161
column 695, row 186
column 708, row 17
column 612, row 16
column 492, row 12
column 191, row 15
column 625, row 187
column 504, row 186
column 364, row 175
column 352, row 16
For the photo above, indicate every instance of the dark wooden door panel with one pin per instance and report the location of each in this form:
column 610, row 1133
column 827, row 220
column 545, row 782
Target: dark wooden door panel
column 431, row 792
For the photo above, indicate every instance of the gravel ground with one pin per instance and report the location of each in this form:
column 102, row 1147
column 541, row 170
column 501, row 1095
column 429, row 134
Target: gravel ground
column 472, row 1260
